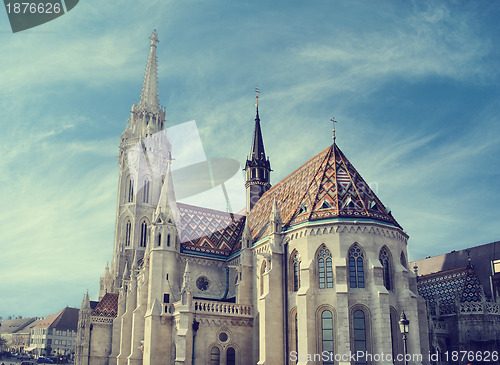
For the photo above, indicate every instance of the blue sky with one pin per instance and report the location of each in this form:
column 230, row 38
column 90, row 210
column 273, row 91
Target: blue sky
column 414, row 86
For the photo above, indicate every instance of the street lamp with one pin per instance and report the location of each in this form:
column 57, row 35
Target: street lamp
column 404, row 327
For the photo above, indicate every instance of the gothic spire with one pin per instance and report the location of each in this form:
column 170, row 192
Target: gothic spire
column 149, row 96
column 257, row 152
column 257, row 167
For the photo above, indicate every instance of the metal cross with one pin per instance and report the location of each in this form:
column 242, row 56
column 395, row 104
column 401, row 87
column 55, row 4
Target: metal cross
column 333, row 130
column 257, row 92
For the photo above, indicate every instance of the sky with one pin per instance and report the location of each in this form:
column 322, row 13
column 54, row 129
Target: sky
column 413, row 85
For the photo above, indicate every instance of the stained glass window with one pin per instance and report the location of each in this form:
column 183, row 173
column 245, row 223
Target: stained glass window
column 356, row 268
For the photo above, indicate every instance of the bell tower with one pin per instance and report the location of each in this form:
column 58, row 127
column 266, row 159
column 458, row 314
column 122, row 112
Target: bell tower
column 257, row 167
column 141, row 176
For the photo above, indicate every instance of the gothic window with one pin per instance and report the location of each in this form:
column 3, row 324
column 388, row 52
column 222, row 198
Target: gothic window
column 130, row 196
column 128, row 230
column 145, row 191
column 325, row 270
column 168, row 240
column 230, row 356
column 215, row 356
column 359, row 333
column 327, row 336
column 158, row 243
column 144, row 232
column 356, row 267
column 296, row 271
column 385, row 260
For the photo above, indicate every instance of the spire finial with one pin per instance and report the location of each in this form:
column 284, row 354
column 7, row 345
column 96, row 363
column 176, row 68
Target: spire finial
column 333, row 130
column 149, row 96
column 154, row 38
column 257, row 92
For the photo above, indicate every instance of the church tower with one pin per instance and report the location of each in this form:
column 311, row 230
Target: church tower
column 257, row 167
column 141, row 176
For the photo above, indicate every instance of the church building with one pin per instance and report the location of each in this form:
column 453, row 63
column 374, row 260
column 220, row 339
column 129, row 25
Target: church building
column 314, row 271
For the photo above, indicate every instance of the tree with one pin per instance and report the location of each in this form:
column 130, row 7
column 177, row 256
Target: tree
column 3, row 343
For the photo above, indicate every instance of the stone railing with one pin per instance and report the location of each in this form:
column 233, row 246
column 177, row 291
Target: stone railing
column 100, row 319
column 479, row 308
column 222, row 309
column 440, row 327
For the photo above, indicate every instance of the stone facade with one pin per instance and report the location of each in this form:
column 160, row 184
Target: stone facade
column 316, row 267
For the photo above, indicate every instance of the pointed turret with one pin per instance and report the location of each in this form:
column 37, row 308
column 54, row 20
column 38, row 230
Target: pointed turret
column 125, row 272
column 186, row 280
column 257, row 167
column 275, row 218
column 246, row 236
column 166, row 210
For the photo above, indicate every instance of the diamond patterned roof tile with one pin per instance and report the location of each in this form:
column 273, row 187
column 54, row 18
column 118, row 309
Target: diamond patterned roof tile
column 326, row 186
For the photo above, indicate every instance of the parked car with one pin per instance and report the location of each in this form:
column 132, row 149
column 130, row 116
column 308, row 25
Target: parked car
column 27, row 363
column 44, row 360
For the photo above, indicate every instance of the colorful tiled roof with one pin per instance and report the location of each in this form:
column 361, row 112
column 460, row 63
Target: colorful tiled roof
column 446, row 287
column 107, row 307
column 326, row 186
column 210, row 231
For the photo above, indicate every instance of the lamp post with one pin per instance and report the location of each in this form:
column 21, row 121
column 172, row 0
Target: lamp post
column 404, row 327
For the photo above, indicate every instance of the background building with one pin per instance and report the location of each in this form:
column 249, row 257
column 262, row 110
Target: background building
column 15, row 332
column 55, row 334
column 462, row 293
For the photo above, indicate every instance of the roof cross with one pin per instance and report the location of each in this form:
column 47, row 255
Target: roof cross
column 257, row 92
column 333, row 130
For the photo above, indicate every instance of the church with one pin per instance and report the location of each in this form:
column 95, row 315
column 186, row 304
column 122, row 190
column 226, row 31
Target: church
column 313, row 271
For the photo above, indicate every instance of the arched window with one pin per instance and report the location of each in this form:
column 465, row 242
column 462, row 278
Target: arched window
column 325, row 270
column 356, row 267
column 215, row 356
column 128, row 230
column 231, row 356
column 130, row 195
column 168, row 240
column 158, row 243
column 145, row 191
column 359, row 333
column 262, row 271
column 327, row 336
column 402, row 259
column 385, row 260
column 144, row 233
column 296, row 271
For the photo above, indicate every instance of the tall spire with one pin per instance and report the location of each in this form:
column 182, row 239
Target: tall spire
column 149, row 96
column 257, row 152
column 257, row 167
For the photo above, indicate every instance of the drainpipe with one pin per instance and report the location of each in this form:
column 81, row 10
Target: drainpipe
column 285, row 298
column 196, row 325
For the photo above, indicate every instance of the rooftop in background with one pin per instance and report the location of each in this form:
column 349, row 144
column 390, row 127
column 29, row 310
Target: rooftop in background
column 66, row 319
column 482, row 259
column 15, row 325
